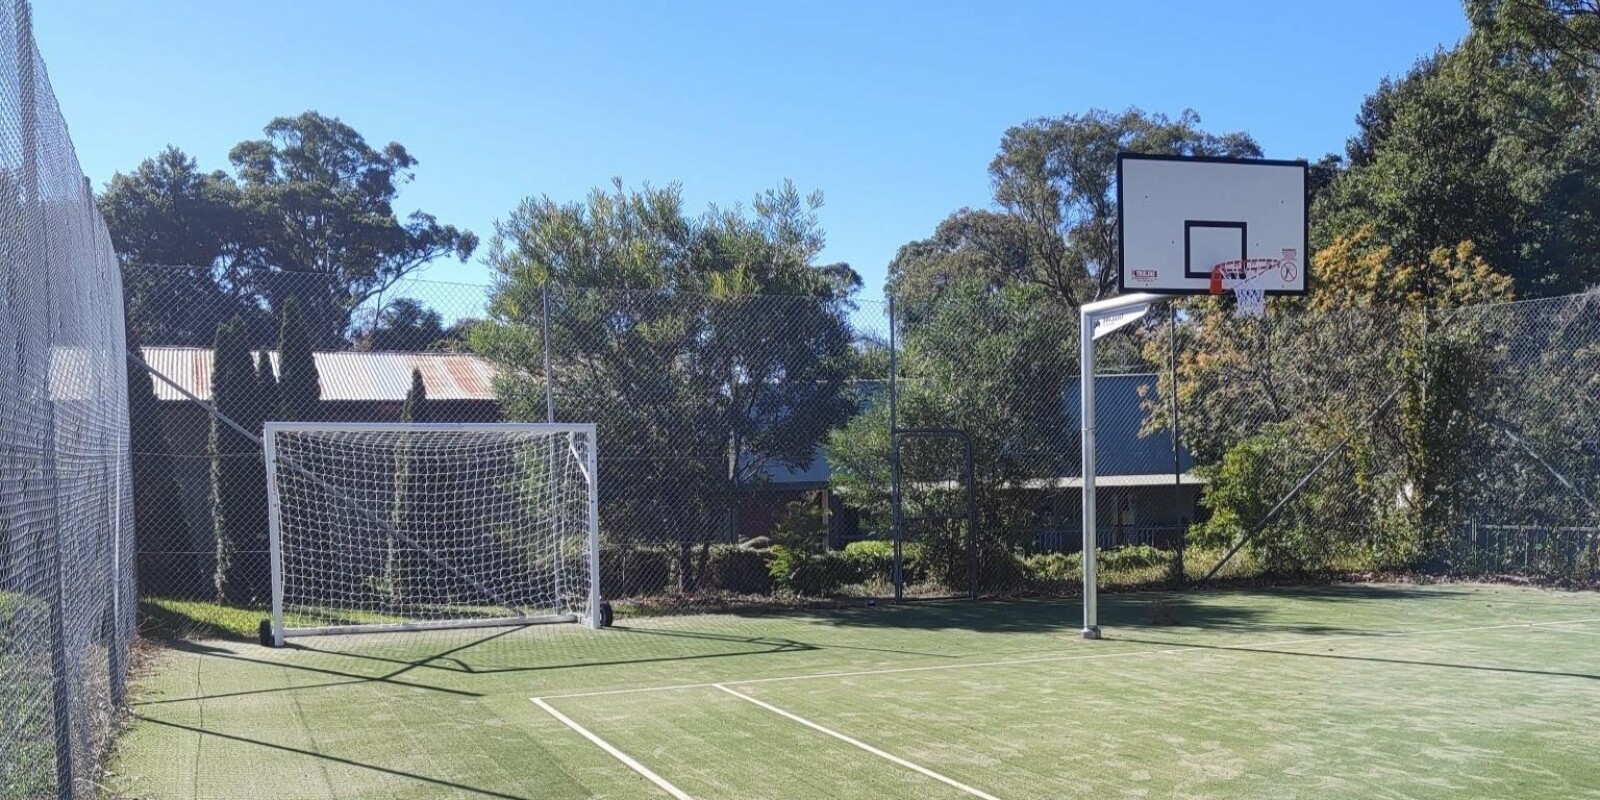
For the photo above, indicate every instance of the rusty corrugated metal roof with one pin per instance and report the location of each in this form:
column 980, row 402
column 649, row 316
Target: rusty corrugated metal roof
column 349, row 376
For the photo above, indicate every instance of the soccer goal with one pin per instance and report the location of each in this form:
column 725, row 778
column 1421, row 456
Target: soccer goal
column 401, row 527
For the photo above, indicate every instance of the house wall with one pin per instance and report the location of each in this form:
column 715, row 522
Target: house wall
column 1136, row 515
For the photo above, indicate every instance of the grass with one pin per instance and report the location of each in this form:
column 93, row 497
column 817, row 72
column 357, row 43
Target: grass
column 1349, row 691
column 165, row 618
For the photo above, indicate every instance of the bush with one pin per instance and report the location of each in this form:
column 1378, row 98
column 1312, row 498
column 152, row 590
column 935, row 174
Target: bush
column 634, row 571
column 874, row 560
column 1055, row 573
column 737, row 569
column 1140, row 556
column 27, row 765
column 811, row 574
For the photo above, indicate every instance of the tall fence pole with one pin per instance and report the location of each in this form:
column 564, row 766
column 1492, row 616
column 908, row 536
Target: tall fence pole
column 549, row 377
column 1180, row 569
column 896, row 526
column 61, row 686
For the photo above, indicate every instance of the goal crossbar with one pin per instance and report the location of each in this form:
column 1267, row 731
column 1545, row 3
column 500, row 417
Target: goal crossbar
column 586, row 464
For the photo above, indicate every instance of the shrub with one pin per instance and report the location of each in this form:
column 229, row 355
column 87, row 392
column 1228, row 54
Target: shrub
column 737, row 569
column 27, row 765
column 874, row 560
column 811, row 574
column 1141, row 556
column 634, row 571
column 1056, row 573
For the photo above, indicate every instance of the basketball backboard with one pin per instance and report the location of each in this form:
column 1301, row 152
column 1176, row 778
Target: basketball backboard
column 1180, row 217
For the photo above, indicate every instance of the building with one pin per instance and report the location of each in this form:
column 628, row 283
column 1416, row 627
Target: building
column 355, row 387
column 1146, row 496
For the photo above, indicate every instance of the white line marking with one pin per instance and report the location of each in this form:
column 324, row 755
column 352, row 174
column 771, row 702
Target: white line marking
column 863, row 745
column 1074, row 657
column 677, row 793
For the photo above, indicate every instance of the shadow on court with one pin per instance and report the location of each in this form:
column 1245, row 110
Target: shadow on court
column 333, row 759
column 1246, row 649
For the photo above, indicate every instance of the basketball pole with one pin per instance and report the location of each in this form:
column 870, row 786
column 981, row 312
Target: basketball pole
column 1095, row 320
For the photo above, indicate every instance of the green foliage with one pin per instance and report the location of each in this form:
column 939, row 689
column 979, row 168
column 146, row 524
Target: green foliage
column 416, row 407
column 739, row 570
column 811, row 574
column 994, row 364
column 634, row 571
column 665, row 332
column 309, row 212
column 874, row 560
column 1054, row 182
column 299, row 389
column 1054, row 573
column 169, row 618
column 801, row 526
column 405, row 325
column 238, row 479
column 27, row 766
column 1492, row 142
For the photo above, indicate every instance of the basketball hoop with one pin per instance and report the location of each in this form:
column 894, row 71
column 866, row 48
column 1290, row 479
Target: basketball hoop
column 1243, row 278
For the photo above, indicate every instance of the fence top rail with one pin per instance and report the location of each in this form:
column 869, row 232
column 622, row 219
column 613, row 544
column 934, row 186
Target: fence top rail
column 427, row 427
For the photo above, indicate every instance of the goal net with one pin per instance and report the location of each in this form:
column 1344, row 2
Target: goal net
column 386, row 527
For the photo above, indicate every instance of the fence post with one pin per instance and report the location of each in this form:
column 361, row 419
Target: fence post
column 1177, row 461
column 896, row 528
column 61, row 687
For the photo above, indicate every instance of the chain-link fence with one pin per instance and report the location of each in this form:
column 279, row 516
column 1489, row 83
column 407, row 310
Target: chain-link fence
column 745, row 455
column 66, row 527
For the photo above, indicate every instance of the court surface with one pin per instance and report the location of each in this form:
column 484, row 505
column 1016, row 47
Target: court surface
column 1353, row 691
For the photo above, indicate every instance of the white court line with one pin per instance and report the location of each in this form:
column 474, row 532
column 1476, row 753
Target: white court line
column 863, row 745
column 1073, row 657
column 677, row 793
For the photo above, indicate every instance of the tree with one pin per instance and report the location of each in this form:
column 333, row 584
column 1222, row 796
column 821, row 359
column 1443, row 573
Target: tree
column 707, row 349
column 162, row 531
column 1338, row 375
column 310, row 213
column 1423, row 172
column 405, row 324
column 319, row 203
column 457, row 337
column 404, row 568
column 416, row 407
column 298, row 385
column 997, row 364
column 1054, row 220
column 238, row 479
column 1493, row 142
column 176, row 231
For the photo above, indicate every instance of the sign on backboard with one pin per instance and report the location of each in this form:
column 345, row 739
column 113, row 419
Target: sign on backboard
column 1181, row 217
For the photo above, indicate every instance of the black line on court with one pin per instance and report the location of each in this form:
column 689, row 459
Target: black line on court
column 1245, row 648
column 355, row 678
column 336, row 759
column 772, row 646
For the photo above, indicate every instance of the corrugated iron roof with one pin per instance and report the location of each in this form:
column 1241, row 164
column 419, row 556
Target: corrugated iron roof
column 349, row 376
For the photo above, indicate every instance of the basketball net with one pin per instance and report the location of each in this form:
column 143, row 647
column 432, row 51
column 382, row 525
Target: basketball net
column 1243, row 277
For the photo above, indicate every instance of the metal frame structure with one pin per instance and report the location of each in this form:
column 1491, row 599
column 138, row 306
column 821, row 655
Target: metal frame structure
column 1095, row 320
column 588, row 459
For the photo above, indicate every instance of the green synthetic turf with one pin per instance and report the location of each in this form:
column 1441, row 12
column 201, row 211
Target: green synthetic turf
column 1326, row 692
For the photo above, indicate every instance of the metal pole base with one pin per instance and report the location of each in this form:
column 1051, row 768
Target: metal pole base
column 1090, row 633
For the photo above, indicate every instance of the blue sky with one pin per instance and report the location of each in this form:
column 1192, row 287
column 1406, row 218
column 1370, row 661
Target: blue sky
column 893, row 109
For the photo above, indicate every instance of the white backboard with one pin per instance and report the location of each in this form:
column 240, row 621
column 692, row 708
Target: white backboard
column 1178, row 217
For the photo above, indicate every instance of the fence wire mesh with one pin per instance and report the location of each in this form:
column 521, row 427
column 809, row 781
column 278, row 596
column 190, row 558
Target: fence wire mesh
column 745, row 455
column 67, row 600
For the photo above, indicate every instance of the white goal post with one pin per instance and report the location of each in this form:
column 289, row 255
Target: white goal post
column 377, row 527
